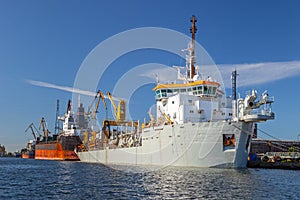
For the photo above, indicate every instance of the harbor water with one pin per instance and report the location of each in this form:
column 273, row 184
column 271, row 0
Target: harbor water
column 40, row 179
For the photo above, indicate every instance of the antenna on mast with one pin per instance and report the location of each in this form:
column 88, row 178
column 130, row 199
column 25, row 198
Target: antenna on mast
column 57, row 127
column 193, row 30
column 234, row 99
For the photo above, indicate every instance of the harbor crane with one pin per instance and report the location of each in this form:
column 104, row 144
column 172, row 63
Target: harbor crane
column 34, row 131
column 44, row 128
column 120, row 111
column 99, row 96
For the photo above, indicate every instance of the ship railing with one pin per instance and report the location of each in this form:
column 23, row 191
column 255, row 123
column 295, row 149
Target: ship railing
column 265, row 112
column 271, row 99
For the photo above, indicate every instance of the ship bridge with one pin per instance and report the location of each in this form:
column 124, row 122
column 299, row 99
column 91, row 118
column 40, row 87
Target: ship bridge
column 199, row 88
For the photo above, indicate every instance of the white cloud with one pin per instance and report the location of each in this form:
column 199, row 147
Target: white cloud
column 64, row 88
column 163, row 74
column 249, row 74
column 259, row 73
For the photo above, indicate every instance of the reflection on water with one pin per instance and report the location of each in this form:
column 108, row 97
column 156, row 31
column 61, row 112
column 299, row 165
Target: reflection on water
column 35, row 179
column 197, row 183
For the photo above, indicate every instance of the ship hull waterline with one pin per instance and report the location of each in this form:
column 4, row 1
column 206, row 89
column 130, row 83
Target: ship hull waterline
column 28, row 155
column 63, row 149
column 187, row 145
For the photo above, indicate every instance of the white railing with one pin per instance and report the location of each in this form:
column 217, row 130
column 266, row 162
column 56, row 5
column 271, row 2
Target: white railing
column 267, row 112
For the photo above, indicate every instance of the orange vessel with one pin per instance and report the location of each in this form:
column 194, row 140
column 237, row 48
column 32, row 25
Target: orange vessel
column 27, row 154
column 29, row 151
column 61, row 149
column 60, row 146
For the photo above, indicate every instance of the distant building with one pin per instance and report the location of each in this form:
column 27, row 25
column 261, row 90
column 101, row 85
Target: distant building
column 80, row 119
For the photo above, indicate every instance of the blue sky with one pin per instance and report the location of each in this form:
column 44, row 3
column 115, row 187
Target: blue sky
column 48, row 41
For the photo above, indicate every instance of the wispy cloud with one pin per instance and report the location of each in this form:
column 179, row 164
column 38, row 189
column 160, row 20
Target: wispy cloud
column 249, row 74
column 66, row 88
column 162, row 74
column 259, row 73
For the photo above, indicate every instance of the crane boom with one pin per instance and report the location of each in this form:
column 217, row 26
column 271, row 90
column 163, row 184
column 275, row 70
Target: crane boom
column 166, row 116
column 34, row 131
column 112, row 103
column 100, row 96
column 90, row 106
column 103, row 98
column 120, row 111
column 44, row 127
column 96, row 109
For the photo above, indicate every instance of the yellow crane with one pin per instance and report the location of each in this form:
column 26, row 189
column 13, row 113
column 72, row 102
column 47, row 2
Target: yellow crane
column 92, row 141
column 120, row 111
column 166, row 116
column 99, row 95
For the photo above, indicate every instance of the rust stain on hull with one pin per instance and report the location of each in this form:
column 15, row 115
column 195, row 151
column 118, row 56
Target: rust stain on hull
column 63, row 149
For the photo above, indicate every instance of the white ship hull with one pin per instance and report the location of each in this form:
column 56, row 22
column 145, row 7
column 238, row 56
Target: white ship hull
column 196, row 135
column 187, row 145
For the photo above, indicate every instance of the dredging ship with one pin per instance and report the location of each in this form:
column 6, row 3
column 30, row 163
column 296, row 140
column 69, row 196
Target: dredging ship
column 60, row 146
column 195, row 125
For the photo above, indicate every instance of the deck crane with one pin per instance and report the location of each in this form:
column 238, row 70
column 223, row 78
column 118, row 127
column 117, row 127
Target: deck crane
column 166, row 116
column 99, row 95
column 120, row 111
column 34, row 131
column 44, row 128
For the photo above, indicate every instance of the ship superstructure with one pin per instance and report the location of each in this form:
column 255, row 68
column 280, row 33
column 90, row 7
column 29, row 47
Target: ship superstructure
column 62, row 145
column 195, row 125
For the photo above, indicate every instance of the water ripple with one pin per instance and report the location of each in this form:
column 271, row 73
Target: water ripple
column 36, row 179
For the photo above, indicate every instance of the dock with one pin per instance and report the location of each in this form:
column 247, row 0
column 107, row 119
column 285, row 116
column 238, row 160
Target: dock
column 275, row 160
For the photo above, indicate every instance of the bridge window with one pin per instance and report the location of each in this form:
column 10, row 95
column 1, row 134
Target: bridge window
column 209, row 90
column 200, row 90
column 158, row 94
column 163, row 93
column 214, row 89
column 205, row 89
